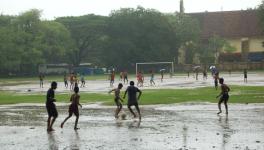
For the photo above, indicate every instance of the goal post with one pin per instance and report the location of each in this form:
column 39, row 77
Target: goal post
column 155, row 63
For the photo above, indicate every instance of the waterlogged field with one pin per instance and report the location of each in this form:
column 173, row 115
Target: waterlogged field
column 176, row 126
column 183, row 117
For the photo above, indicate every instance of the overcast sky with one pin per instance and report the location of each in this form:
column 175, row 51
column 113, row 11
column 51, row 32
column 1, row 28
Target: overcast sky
column 57, row 8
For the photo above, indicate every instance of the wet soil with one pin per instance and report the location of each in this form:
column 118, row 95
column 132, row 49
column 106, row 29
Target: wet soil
column 178, row 126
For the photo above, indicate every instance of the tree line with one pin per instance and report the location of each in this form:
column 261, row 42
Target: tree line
column 126, row 36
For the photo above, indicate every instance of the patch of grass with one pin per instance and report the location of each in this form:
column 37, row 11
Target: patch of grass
column 238, row 94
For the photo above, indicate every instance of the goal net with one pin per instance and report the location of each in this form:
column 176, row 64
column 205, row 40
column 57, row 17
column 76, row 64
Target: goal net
column 147, row 67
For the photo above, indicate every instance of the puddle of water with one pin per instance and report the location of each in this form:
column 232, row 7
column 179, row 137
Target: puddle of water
column 180, row 126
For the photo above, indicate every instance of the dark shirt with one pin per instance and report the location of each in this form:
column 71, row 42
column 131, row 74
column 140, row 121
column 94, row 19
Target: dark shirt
column 50, row 97
column 132, row 94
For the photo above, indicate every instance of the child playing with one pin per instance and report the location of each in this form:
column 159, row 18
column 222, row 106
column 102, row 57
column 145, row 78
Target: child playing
column 41, row 78
column 140, row 79
column 132, row 98
column 117, row 99
column 224, row 95
column 71, row 81
column 162, row 75
column 82, row 81
column 73, row 108
column 51, row 107
column 125, row 74
column 112, row 78
column 65, row 81
column 216, row 76
column 152, row 78
column 245, row 75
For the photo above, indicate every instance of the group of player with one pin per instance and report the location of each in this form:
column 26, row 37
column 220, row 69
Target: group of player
column 75, row 102
column 131, row 90
column 52, row 110
column 74, row 81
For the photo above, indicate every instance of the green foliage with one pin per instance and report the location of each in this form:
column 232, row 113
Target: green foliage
column 209, row 52
column 187, row 31
column 229, row 48
column 26, row 42
column 139, row 35
column 88, row 34
column 260, row 11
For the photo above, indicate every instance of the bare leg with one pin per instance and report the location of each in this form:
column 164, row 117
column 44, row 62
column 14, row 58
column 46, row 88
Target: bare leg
column 52, row 122
column 48, row 124
column 138, row 110
column 76, row 122
column 219, row 107
column 226, row 107
column 129, row 107
column 118, row 111
column 65, row 120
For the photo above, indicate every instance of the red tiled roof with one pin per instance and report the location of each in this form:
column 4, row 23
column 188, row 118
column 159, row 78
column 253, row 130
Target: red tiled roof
column 229, row 24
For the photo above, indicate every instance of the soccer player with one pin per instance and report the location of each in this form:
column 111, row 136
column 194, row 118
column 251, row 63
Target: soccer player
column 140, row 79
column 65, row 80
column 112, row 78
column 82, row 81
column 245, row 75
column 125, row 77
column 51, row 107
column 117, row 99
column 223, row 96
column 133, row 98
column 73, row 108
column 152, row 78
column 41, row 78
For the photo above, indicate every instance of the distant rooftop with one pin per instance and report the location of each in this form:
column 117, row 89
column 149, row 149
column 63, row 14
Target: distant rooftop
column 229, row 24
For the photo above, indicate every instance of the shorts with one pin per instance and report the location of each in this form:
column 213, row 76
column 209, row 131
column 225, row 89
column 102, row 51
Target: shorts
column 224, row 98
column 73, row 109
column 52, row 111
column 117, row 102
column 132, row 104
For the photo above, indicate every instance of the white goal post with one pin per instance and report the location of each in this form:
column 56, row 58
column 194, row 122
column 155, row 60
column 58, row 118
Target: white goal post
column 153, row 63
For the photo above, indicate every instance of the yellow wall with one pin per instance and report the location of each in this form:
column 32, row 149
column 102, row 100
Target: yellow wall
column 255, row 44
column 235, row 43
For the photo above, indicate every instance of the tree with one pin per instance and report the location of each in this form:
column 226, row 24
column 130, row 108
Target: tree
column 87, row 32
column 209, row 52
column 139, row 35
column 55, row 42
column 187, row 31
column 260, row 11
column 26, row 42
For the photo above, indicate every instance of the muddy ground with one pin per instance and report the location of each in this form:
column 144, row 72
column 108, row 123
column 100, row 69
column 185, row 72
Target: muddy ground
column 178, row 126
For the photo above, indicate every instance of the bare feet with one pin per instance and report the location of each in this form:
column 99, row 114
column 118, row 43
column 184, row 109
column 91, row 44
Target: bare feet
column 75, row 128
column 50, row 129
column 219, row 112
column 61, row 125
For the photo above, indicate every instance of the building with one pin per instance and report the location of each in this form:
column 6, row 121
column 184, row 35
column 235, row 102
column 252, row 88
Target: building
column 240, row 28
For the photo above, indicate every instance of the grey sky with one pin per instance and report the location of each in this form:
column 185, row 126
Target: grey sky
column 57, row 8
